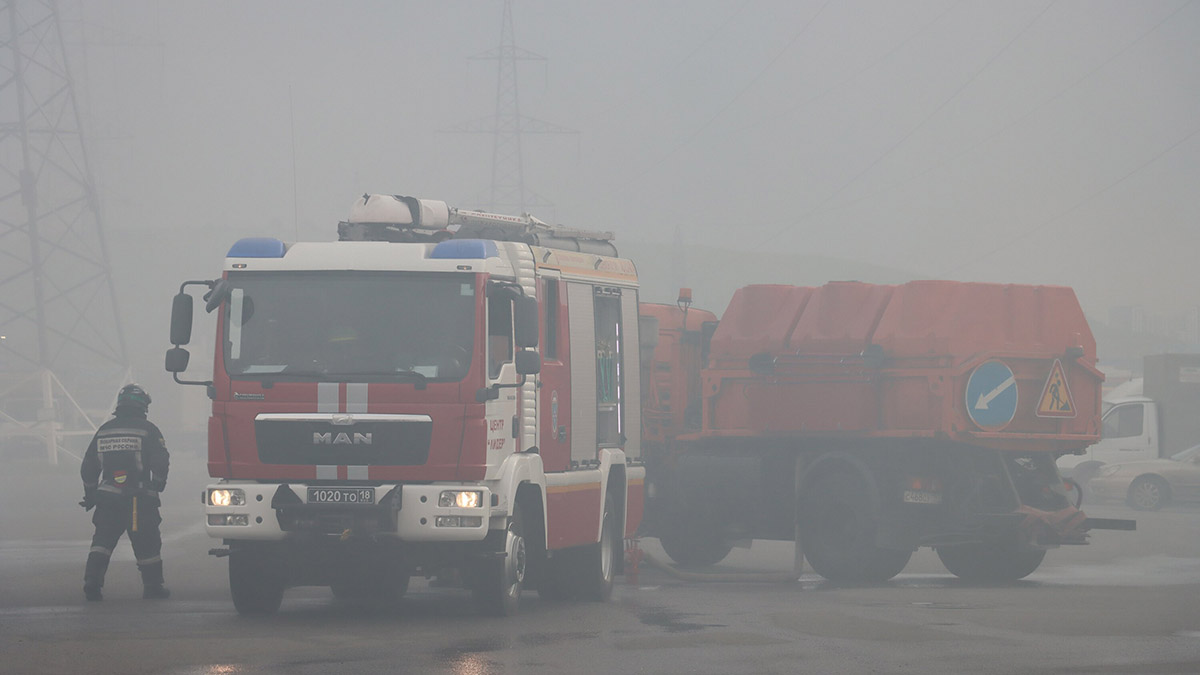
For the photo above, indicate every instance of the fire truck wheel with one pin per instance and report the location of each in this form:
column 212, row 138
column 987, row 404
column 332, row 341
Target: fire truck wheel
column 838, row 532
column 256, row 588
column 498, row 583
column 600, row 560
column 990, row 563
column 693, row 545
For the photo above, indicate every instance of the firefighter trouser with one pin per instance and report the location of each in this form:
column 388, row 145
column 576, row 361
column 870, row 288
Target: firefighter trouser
column 115, row 517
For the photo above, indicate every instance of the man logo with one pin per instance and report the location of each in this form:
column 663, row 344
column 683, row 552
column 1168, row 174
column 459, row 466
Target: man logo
column 341, row 438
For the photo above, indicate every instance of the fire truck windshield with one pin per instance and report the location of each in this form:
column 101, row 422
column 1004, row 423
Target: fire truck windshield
column 339, row 325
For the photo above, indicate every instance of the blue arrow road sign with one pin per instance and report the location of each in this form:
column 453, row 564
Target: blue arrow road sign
column 992, row 395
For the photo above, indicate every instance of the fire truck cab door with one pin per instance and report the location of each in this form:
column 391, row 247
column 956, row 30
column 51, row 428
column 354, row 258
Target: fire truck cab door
column 555, row 393
column 501, row 416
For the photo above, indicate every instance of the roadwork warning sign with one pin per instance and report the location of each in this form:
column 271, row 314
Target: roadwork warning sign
column 1056, row 400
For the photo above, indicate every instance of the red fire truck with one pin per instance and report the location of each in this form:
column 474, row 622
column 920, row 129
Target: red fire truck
column 438, row 389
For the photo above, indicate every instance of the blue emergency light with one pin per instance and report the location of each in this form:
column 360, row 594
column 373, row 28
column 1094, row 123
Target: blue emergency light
column 465, row 249
column 257, row 247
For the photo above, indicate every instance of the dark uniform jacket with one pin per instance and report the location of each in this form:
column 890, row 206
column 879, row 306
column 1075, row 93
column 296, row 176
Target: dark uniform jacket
column 127, row 458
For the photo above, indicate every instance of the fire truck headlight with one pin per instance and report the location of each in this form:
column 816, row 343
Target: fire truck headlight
column 466, row 499
column 226, row 497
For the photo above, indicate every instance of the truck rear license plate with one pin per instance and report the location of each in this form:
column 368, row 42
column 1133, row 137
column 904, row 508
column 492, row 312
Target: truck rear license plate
column 341, row 495
column 922, row 497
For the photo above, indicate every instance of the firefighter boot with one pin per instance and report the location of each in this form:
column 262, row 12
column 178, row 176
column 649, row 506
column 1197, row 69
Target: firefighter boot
column 93, row 576
column 152, row 582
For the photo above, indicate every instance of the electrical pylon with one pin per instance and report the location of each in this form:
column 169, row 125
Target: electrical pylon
column 507, row 125
column 61, row 347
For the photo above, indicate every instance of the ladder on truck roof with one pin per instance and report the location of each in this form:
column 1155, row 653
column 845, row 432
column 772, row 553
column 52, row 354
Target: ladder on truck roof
column 396, row 218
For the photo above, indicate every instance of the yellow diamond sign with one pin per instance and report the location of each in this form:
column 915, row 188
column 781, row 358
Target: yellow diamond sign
column 1056, row 400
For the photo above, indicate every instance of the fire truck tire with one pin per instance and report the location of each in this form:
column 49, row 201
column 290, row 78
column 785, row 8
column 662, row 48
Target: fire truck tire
column 838, row 532
column 990, row 563
column 498, row 582
column 257, row 589
column 693, row 545
column 600, row 559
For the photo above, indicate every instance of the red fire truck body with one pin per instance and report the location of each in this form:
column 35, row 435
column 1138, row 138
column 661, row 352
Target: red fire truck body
column 438, row 390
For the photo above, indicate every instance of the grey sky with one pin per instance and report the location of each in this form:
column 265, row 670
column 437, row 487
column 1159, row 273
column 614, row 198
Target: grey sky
column 1044, row 142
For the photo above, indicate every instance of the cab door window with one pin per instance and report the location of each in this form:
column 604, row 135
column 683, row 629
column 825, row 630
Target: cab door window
column 610, row 391
column 1123, row 421
column 500, row 333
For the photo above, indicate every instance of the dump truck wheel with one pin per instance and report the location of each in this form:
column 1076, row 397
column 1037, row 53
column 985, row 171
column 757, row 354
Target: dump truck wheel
column 888, row 563
column 256, row 588
column 990, row 563
column 838, row 532
column 693, row 545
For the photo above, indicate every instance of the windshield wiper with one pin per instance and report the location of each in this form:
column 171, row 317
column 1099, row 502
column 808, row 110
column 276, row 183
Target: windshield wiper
column 340, row 375
column 374, row 375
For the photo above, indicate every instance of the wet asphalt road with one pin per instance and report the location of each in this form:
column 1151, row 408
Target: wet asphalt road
column 1130, row 603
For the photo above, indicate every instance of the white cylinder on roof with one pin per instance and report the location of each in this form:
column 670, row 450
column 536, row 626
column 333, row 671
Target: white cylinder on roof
column 397, row 210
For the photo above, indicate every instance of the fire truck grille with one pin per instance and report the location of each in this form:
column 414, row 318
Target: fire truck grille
column 363, row 444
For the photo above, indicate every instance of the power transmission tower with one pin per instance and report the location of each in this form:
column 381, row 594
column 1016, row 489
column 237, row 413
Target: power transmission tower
column 507, row 125
column 61, row 346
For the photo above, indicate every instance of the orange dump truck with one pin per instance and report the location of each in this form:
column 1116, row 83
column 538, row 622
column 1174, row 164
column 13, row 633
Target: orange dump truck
column 869, row 420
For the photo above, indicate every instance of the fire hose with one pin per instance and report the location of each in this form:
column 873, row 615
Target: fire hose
column 634, row 556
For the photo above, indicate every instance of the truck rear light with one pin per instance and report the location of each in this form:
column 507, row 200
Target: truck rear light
column 925, row 484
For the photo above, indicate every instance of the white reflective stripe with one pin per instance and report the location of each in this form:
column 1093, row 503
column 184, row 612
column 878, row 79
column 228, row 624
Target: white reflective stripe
column 119, row 444
column 356, row 473
column 327, row 397
column 150, row 561
column 109, row 488
column 114, row 431
column 101, row 550
column 326, row 472
column 356, row 398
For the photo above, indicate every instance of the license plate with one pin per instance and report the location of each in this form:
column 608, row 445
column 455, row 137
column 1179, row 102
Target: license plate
column 922, row 497
column 341, row 495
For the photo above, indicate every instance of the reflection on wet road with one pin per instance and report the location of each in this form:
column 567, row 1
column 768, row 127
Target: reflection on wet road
column 1124, row 604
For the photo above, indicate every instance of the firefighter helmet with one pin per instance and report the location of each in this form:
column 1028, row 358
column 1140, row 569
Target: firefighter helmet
column 133, row 396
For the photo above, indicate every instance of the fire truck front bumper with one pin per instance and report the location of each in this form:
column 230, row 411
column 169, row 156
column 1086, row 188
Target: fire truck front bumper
column 414, row 513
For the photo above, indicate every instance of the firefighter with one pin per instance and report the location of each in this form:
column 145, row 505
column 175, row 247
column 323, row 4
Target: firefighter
column 124, row 470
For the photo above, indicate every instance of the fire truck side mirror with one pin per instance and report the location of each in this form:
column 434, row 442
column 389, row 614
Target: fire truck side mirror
column 525, row 321
column 177, row 360
column 528, row 362
column 181, row 319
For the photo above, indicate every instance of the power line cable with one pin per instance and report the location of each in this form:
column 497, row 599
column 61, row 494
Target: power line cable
column 844, row 83
column 679, row 64
column 825, row 205
column 920, row 125
column 728, row 104
column 1047, row 222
